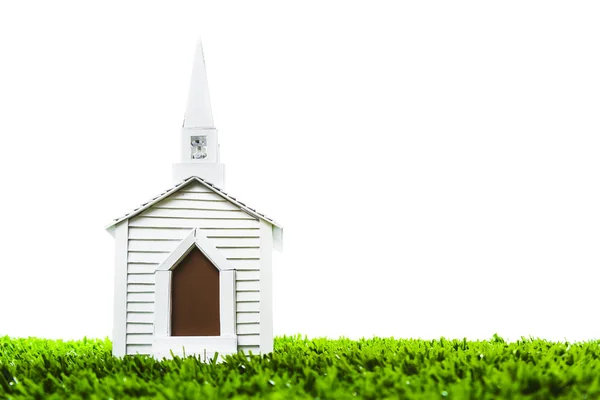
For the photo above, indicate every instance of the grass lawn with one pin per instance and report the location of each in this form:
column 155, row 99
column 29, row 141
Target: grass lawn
column 309, row 369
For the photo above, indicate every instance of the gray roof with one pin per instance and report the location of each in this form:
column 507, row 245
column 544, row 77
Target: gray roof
column 180, row 185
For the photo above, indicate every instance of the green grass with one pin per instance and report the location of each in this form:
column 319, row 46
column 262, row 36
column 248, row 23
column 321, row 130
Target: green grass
column 309, row 369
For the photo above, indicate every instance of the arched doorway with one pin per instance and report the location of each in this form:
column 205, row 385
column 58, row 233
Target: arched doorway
column 195, row 297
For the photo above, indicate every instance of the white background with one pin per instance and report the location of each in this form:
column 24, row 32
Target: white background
column 435, row 164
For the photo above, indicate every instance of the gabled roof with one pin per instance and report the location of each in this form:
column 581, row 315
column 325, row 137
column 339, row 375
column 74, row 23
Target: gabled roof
column 277, row 229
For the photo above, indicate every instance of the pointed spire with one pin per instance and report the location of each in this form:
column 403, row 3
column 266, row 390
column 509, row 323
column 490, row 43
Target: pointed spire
column 198, row 113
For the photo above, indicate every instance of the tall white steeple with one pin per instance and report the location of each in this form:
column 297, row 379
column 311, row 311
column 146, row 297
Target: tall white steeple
column 199, row 137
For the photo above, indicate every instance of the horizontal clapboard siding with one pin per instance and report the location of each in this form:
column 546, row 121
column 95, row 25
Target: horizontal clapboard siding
column 141, row 268
column 247, row 296
column 247, row 286
column 141, row 307
column 240, row 265
column 248, row 329
column 159, row 230
column 146, row 317
column 195, row 205
column 192, row 195
column 246, row 318
column 249, row 349
column 253, row 306
column 153, row 245
column 140, row 297
column 133, row 349
column 146, row 258
column 234, row 242
column 140, row 328
column 159, row 222
column 241, row 254
column 189, row 213
column 140, row 278
column 140, row 288
column 195, row 187
column 252, row 275
column 248, row 340
column 158, row 234
column 139, row 338
column 150, row 233
column 231, row 233
column 199, row 196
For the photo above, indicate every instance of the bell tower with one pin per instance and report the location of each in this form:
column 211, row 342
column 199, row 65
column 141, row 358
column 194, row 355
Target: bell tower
column 199, row 150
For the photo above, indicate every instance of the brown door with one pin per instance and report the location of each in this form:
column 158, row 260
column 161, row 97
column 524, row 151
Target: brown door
column 195, row 297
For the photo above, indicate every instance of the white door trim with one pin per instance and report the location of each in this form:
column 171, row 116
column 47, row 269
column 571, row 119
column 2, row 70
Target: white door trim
column 163, row 341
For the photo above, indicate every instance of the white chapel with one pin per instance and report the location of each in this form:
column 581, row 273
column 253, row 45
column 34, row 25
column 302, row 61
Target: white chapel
column 193, row 265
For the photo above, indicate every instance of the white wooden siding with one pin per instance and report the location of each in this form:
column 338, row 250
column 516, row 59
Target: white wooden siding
column 250, row 306
column 235, row 242
column 249, row 349
column 140, row 288
column 251, row 275
column 134, row 268
column 195, row 187
column 158, row 234
column 163, row 222
column 153, row 245
column 248, row 340
column 190, row 213
column 248, row 329
column 233, row 233
column 247, row 297
column 144, row 257
column 139, row 349
column 250, row 253
column 139, row 338
column 206, row 196
column 142, row 307
column 140, row 278
column 243, row 318
column 140, row 297
column 143, row 317
column 195, row 205
column 248, row 286
column 140, row 328
column 249, row 265
column 157, row 231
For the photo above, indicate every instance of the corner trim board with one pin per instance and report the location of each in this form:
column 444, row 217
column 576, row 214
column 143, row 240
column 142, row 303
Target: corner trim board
column 119, row 335
column 266, row 288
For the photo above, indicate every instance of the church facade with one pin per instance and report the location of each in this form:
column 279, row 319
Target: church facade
column 193, row 265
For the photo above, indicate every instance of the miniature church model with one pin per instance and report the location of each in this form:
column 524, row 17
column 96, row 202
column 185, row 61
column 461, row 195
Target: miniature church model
column 193, row 264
